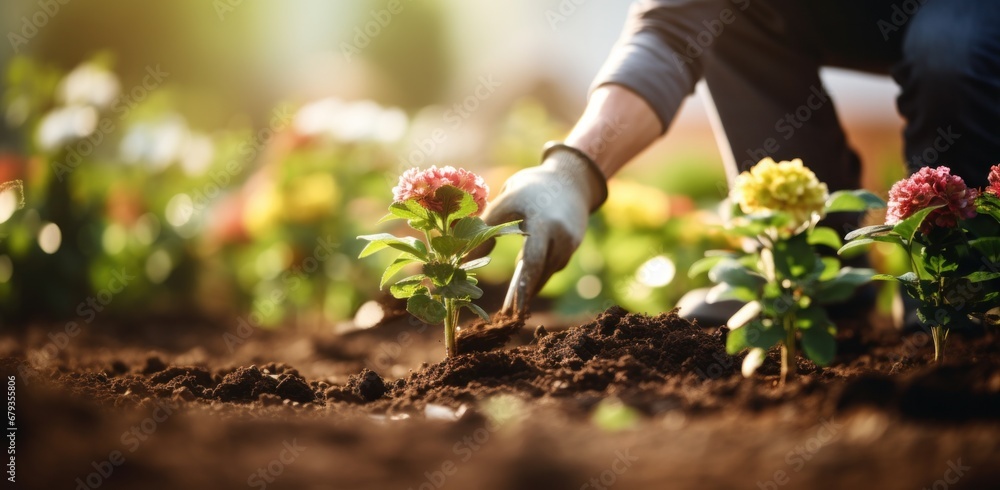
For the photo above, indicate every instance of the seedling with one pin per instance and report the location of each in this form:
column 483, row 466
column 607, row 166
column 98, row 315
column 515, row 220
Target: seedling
column 784, row 281
column 951, row 236
column 443, row 204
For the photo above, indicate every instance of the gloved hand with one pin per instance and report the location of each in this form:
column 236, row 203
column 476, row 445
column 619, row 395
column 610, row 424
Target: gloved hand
column 554, row 201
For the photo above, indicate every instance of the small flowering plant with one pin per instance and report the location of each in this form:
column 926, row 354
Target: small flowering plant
column 784, row 281
column 951, row 235
column 443, row 204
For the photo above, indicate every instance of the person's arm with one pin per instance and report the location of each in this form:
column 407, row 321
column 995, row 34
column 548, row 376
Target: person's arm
column 615, row 127
column 635, row 97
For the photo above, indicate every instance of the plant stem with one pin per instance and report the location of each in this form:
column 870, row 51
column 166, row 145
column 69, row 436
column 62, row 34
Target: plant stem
column 937, row 333
column 788, row 363
column 450, row 324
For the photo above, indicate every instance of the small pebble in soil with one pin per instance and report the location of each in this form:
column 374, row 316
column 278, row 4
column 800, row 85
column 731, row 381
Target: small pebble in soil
column 153, row 365
column 184, row 393
column 368, row 385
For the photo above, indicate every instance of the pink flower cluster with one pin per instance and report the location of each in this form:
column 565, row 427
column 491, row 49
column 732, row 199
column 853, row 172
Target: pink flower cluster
column 994, row 187
column 423, row 184
column 932, row 187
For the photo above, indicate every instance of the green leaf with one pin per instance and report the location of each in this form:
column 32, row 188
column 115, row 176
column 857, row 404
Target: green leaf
column 702, row 266
column 448, row 246
column 455, row 203
column 819, row 344
column 812, row 317
column 723, row 291
column 478, row 311
column 397, row 265
column 908, row 227
column 831, row 267
column 468, row 227
column 426, row 309
column 939, row 264
column 856, row 200
column 439, row 273
column 461, row 289
column 732, row 272
column 989, row 247
column 841, row 287
column 861, row 242
column 380, row 241
column 475, row 264
column 794, row 258
column 763, row 337
column 410, row 209
column 736, row 341
column 980, row 276
column 823, row 235
column 404, row 288
column 475, row 230
column 868, row 231
column 884, row 277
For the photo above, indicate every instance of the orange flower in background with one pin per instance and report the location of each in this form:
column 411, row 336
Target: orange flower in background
column 932, row 187
column 423, row 184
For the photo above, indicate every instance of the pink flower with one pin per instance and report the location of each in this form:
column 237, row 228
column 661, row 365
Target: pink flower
column 932, row 187
column 994, row 187
column 422, row 184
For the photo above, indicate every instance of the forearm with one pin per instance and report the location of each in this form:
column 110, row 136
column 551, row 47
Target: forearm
column 616, row 125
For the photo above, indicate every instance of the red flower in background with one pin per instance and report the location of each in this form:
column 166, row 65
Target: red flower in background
column 932, row 187
column 422, row 184
column 994, row 187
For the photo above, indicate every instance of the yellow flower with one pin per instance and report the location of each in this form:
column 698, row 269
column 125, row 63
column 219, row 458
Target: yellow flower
column 635, row 205
column 787, row 187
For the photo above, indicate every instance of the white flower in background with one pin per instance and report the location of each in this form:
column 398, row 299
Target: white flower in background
column 158, row 143
column 89, row 84
column 196, row 154
column 64, row 125
column 11, row 199
column 362, row 120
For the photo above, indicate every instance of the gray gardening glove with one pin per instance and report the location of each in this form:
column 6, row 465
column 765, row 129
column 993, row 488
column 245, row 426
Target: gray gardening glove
column 554, row 201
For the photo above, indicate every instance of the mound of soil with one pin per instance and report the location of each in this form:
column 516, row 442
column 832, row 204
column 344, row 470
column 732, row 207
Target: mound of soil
column 365, row 430
column 655, row 364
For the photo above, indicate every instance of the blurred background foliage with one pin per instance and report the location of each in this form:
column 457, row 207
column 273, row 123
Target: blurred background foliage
column 217, row 159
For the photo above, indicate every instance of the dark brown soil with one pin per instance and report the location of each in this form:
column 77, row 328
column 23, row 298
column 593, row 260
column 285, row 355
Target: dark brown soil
column 880, row 417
